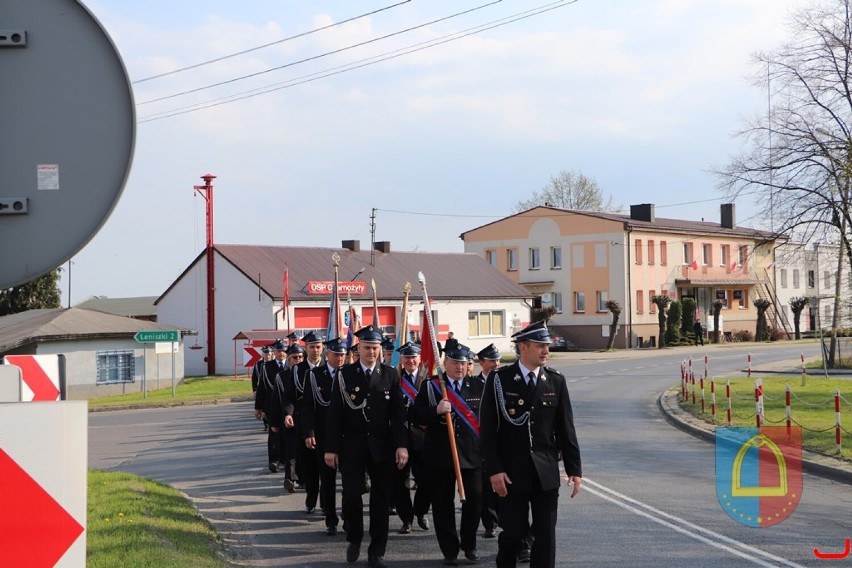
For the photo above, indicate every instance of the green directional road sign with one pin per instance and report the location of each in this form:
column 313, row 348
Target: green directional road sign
column 157, row 336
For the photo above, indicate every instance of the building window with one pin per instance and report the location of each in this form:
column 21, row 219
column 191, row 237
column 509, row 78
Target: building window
column 116, row 367
column 782, row 276
column 742, row 255
column 707, row 250
column 637, row 247
column 640, row 301
column 687, row 253
column 579, row 301
column 652, row 307
column 535, row 259
column 577, row 260
column 512, row 259
column 557, row 302
column 811, row 279
column 651, row 252
column 491, row 257
column 796, row 278
column 486, row 323
column 740, row 298
column 723, row 295
column 602, row 298
column 726, row 255
column 555, row 257
column 664, row 253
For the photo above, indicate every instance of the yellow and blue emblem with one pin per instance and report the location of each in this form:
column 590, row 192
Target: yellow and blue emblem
column 759, row 473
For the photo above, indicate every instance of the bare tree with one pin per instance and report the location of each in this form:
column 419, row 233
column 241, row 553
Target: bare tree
column 615, row 309
column 569, row 190
column 800, row 153
column 798, row 304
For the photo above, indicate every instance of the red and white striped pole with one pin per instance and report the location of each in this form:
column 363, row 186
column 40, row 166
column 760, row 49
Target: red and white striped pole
column 713, row 399
column 758, row 402
column 789, row 411
column 728, row 402
column 804, row 370
column 749, row 365
column 692, row 382
column 703, row 406
column 683, row 381
column 837, row 419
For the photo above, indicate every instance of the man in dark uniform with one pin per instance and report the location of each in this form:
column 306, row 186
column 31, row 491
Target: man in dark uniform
column 292, row 440
column 314, row 413
column 297, row 387
column 527, row 422
column 489, row 360
column 410, row 362
column 366, row 433
column 267, row 402
column 461, row 405
column 257, row 377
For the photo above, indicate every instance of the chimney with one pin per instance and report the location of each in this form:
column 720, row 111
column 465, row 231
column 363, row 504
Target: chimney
column 643, row 212
column 354, row 246
column 729, row 216
column 382, row 246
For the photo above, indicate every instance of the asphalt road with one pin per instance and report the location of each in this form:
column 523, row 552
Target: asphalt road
column 648, row 497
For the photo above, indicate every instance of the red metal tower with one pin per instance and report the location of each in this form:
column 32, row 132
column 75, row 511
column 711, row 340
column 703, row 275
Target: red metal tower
column 206, row 191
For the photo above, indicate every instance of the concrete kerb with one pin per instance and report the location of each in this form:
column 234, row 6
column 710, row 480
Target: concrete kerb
column 813, row 463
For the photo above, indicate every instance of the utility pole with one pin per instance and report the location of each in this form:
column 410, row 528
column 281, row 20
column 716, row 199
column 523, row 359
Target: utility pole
column 373, row 237
column 206, row 191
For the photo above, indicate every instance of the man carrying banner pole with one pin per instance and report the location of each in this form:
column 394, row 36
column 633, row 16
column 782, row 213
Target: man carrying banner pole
column 435, row 410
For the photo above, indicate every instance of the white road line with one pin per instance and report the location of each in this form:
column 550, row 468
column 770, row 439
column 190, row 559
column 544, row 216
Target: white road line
column 687, row 528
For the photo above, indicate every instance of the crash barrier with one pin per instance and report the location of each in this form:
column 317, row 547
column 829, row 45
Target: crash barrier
column 695, row 391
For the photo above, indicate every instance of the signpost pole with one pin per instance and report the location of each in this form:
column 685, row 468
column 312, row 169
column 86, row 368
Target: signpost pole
column 144, row 371
column 173, row 369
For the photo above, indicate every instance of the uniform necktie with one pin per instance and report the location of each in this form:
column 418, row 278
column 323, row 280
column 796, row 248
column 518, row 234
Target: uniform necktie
column 457, row 387
column 531, row 381
column 368, row 372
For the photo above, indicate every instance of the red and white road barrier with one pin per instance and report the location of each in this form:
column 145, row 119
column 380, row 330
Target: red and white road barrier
column 749, row 365
column 758, row 402
column 804, row 370
column 837, row 419
column 713, row 399
column 789, row 412
column 728, row 400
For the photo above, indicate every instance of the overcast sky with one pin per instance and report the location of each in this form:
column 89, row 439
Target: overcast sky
column 643, row 96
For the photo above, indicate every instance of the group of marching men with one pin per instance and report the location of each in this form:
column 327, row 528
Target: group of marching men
column 379, row 424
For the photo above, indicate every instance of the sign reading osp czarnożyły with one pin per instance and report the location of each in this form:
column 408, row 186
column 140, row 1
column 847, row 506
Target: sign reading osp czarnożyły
column 320, row 287
column 759, row 473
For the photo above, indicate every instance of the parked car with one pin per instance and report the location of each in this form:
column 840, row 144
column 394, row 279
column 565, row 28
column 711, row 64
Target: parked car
column 558, row 343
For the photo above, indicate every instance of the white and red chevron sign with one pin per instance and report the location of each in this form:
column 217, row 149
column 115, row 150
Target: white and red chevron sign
column 40, row 376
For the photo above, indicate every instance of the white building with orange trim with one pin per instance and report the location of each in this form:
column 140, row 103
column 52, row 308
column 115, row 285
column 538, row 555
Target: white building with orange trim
column 576, row 261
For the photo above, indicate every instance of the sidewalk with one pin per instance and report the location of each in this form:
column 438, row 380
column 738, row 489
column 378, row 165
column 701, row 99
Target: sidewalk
column 813, row 463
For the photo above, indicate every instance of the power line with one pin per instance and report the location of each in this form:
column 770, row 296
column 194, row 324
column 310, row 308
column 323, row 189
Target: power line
column 270, row 44
column 360, row 63
column 321, row 55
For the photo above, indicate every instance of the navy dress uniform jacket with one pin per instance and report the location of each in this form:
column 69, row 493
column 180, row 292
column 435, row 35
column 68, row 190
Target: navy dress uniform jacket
column 374, row 431
column 437, row 443
column 548, row 433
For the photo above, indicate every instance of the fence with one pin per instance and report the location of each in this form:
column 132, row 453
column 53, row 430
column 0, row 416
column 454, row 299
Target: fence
column 694, row 391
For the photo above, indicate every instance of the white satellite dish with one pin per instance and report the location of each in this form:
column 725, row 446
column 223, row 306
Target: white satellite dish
column 68, row 125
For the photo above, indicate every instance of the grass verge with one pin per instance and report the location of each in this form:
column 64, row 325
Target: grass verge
column 190, row 390
column 136, row 522
column 812, row 408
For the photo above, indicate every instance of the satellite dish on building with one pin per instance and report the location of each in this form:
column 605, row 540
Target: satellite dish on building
column 68, row 122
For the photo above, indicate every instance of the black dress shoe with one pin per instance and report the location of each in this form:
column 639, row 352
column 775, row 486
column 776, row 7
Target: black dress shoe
column 288, row 486
column 450, row 561
column 309, row 510
column 273, row 468
column 353, row 551
column 405, row 529
column 472, row 556
column 524, row 556
column 489, row 533
column 376, row 562
column 423, row 522
column 331, row 531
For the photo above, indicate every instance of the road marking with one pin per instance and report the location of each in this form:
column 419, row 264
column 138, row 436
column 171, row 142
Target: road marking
column 687, row 528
